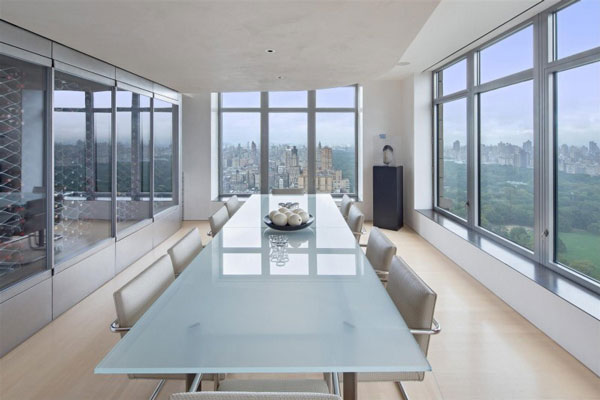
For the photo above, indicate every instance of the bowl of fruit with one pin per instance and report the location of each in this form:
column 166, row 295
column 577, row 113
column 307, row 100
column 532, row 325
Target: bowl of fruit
column 285, row 219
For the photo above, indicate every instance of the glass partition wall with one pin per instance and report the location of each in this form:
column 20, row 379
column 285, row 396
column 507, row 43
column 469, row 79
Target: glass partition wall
column 74, row 135
column 165, row 118
column 517, row 124
column 134, row 115
column 82, row 164
column 23, row 205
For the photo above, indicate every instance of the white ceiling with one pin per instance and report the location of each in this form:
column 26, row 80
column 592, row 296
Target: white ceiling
column 194, row 46
column 456, row 26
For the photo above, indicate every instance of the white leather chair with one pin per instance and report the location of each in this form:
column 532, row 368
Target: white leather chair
column 345, row 206
column 380, row 251
column 416, row 303
column 233, row 204
column 185, row 250
column 287, row 191
column 217, row 221
column 355, row 221
column 133, row 299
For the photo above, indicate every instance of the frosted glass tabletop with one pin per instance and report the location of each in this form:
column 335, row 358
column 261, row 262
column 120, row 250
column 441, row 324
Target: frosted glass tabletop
column 245, row 306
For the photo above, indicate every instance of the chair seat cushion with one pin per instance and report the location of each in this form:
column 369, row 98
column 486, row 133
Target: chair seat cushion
column 274, row 385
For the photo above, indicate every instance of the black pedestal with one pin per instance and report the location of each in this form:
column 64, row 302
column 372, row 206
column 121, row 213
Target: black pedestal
column 387, row 197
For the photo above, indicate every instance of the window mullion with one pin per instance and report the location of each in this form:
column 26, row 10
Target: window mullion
column 264, row 142
column 472, row 205
column 540, row 49
column 312, row 143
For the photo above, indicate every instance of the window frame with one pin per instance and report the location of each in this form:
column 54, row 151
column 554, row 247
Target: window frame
column 543, row 74
column 311, row 111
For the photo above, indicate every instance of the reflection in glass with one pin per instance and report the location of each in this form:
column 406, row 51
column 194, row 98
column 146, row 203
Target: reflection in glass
column 22, row 171
column 452, row 157
column 241, row 264
column 288, row 99
column 288, row 152
column 337, row 97
column 82, row 164
column 297, row 264
column 337, row 264
column 133, row 158
column 240, row 99
column 240, row 153
column 578, row 27
column 164, row 115
column 506, row 163
column 335, row 153
column 508, row 56
column 577, row 169
column 454, row 78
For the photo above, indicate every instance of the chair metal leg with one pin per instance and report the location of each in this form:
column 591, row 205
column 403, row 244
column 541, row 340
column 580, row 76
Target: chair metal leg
column 157, row 389
column 403, row 394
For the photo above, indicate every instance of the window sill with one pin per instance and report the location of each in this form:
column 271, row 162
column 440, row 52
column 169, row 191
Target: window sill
column 580, row 297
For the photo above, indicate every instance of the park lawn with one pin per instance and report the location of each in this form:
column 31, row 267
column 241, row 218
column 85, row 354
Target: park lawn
column 581, row 246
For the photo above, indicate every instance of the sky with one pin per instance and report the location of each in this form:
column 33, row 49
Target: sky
column 507, row 113
column 333, row 129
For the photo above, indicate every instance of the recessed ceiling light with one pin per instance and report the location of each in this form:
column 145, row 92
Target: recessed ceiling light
column 402, row 63
column 270, row 51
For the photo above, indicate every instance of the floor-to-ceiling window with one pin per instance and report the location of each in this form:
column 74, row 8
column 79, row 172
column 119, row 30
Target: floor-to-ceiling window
column 23, row 226
column 82, row 164
column 133, row 158
column 268, row 139
column 451, row 122
column 574, row 85
column 528, row 114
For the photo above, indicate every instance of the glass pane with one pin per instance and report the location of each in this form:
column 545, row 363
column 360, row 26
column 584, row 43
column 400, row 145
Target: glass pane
column 336, row 97
column 454, row 78
column 82, row 158
column 164, row 113
column 22, row 178
column 508, row 56
column 578, row 169
column 240, row 153
column 336, row 153
column 506, row 163
column 452, row 157
column 288, row 99
column 578, row 27
column 288, row 153
column 240, row 99
column 133, row 158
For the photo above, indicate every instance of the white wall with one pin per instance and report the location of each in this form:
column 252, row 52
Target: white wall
column 382, row 101
column 196, row 149
column 576, row 331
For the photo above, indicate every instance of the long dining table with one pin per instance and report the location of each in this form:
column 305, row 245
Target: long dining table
column 246, row 306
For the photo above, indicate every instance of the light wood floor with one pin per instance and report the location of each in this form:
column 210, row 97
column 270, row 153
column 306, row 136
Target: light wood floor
column 485, row 351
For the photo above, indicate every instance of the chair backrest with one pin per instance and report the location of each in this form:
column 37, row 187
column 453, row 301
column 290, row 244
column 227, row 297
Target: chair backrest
column 380, row 250
column 252, row 396
column 345, row 205
column 355, row 221
column 413, row 298
column 233, row 204
column 133, row 299
column 218, row 220
column 185, row 250
column 287, row 191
